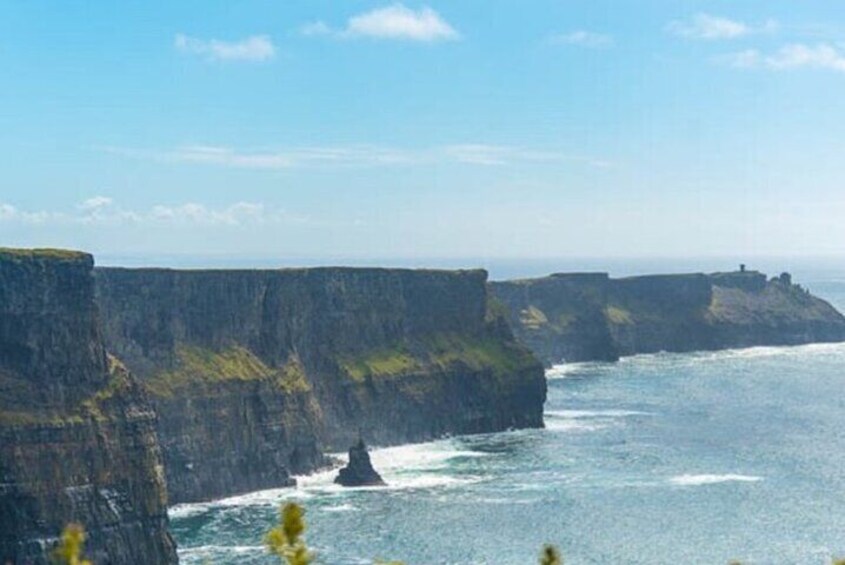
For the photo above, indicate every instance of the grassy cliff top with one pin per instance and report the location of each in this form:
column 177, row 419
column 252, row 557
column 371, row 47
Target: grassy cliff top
column 18, row 254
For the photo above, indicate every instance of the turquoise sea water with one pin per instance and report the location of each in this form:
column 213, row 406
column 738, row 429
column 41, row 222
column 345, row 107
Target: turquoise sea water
column 667, row 458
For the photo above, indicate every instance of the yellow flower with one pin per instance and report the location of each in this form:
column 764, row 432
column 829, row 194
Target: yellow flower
column 70, row 546
column 284, row 541
column 550, row 556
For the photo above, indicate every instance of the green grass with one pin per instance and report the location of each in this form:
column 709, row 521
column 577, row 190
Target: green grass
column 618, row 316
column 118, row 384
column 439, row 352
column 197, row 367
column 380, row 363
column 14, row 419
column 292, row 378
column 91, row 408
column 533, row 318
column 56, row 254
column 478, row 353
column 496, row 309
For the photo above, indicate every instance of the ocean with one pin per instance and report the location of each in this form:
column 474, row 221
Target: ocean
column 665, row 458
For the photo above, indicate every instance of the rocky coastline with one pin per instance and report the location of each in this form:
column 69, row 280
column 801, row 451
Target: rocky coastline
column 123, row 391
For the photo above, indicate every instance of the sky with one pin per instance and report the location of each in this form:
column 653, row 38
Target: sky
column 349, row 130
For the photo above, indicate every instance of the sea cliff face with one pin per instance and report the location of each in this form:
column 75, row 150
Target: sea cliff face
column 77, row 435
column 587, row 317
column 254, row 374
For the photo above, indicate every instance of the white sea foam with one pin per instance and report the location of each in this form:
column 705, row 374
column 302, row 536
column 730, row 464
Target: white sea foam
column 747, row 353
column 698, row 480
column 269, row 497
column 415, row 466
column 566, row 370
column 585, row 420
column 571, row 425
column 340, row 508
column 420, row 456
column 561, row 371
column 216, row 550
column 188, row 510
column 586, row 414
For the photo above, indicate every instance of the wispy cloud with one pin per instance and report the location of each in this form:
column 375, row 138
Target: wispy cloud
column 497, row 155
column 9, row 213
column 794, row 56
column 229, row 157
column 315, row 29
column 582, row 38
column 103, row 211
column 256, row 48
column 709, row 27
column 390, row 22
column 356, row 156
column 95, row 203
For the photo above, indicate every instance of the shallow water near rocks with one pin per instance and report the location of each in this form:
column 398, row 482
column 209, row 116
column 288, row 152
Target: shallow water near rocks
column 666, row 458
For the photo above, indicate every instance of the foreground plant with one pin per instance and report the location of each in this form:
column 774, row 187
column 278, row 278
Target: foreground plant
column 285, row 540
column 550, row 556
column 70, row 546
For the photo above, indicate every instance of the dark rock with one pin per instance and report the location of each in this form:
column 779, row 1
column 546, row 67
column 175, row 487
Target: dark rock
column 587, row 317
column 359, row 471
column 254, row 374
column 77, row 434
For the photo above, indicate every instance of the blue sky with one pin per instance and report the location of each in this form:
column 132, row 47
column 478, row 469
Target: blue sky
column 361, row 129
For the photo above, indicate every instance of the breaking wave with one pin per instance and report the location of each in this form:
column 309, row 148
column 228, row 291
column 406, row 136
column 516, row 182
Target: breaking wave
column 698, row 480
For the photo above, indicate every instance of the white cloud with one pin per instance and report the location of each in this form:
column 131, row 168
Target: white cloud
column 493, row 155
column 797, row 55
column 240, row 213
column 190, row 213
column 230, row 157
column 746, row 59
column 284, row 159
column 399, row 22
column 583, row 38
column 480, row 154
column 350, row 156
column 255, row 48
column 391, row 22
column 794, row 56
column 354, row 156
column 7, row 212
column 708, row 27
column 95, row 203
column 315, row 29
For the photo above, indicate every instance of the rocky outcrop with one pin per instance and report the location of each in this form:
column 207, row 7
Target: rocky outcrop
column 359, row 471
column 77, row 435
column 585, row 317
column 254, row 373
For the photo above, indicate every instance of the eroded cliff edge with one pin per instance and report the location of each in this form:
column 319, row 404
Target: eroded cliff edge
column 77, row 435
column 254, row 374
column 590, row 316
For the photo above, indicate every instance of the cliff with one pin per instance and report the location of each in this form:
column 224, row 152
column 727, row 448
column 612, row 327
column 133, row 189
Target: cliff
column 585, row 317
column 77, row 435
column 562, row 316
column 255, row 373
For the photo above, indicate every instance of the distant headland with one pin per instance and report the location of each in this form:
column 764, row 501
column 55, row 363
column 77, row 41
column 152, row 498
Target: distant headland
column 571, row 317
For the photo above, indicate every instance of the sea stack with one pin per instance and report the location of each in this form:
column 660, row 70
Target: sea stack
column 359, row 471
